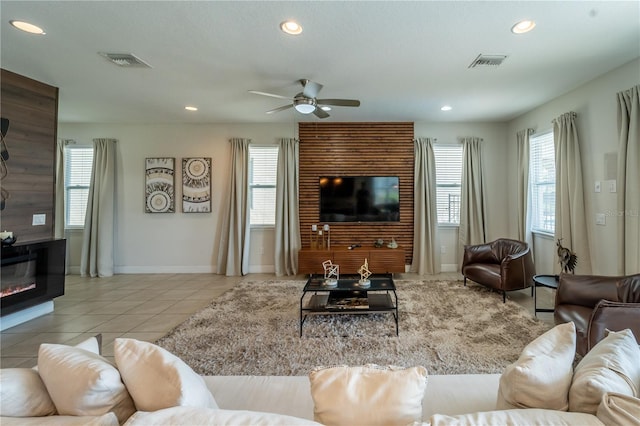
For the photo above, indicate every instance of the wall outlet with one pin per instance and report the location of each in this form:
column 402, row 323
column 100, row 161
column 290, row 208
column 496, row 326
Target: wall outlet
column 39, row 219
column 600, row 219
column 612, row 186
column 597, row 186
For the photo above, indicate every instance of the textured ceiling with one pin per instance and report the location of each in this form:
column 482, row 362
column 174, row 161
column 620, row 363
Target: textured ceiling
column 402, row 60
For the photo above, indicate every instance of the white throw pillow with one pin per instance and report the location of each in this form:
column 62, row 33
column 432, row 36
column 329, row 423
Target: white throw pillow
column 214, row 417
column 108, row 419
column 158, row 379
column 23, row 394
column 530, row 417
column 541, row 377
column 618, row 409
column 82, row 383
column 612, row 365
column 92, row 344
column 369, row 394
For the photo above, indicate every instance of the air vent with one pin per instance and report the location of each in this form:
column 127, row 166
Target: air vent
column 487, row 61
column 125, row 60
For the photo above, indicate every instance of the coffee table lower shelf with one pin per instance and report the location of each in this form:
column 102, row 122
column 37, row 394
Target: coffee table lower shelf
column 351, row 303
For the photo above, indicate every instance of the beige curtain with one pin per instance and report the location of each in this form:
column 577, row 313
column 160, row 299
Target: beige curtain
column 472, row 204
column 287, row 227
column 97, row 258
column 233, row 251
column 58, row 230
column 523, row 195
column 571, row 225
column 426, row 241
column 628, row 182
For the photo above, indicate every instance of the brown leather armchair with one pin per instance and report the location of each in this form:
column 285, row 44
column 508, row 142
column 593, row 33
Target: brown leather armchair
column 503, row 265
column 597, row 303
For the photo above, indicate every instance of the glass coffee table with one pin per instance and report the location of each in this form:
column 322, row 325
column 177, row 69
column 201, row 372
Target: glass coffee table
column 347, row 296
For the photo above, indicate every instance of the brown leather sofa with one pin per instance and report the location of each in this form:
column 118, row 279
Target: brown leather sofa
column 503, row 265
column 597, row 303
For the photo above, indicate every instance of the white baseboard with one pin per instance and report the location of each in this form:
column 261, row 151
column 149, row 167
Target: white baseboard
column 449, row 267
column 16, row 318
column 205, row 269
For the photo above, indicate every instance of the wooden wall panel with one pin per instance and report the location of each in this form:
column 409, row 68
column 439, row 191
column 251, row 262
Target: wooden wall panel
column 32, row 110
column 357, row 149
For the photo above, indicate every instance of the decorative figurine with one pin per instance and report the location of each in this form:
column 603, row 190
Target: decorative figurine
column 365, row 273
column 392, row 244
column 566, row 258
column 378, row 243
column 331, row 273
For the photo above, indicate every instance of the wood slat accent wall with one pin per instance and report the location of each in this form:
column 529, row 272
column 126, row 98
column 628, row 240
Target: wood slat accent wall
column 357, row 149
column 32, row 110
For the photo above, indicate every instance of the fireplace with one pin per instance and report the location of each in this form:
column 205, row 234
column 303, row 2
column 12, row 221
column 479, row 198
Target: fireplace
column 32, row 273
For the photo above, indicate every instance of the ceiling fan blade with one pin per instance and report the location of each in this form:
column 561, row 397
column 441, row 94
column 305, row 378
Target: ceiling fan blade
column 339, row 102
column 320, row 113
column 256, row 92
column 282, row 108
column 310, row 88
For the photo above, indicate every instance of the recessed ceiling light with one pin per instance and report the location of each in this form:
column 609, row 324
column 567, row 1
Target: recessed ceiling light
column 27, row 27
column 446, row 108
column 291, row 27
column 523, row 27
column 191, row 108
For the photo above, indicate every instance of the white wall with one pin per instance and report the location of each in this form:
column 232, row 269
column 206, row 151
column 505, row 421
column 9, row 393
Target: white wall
column 172, row 242
column 188, row 242
column 596, row 108
column 181, row 242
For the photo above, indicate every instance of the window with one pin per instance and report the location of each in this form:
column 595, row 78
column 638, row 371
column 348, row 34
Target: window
column 263, row 166
column 448, row 182
column 542, row 178
column 77, row 178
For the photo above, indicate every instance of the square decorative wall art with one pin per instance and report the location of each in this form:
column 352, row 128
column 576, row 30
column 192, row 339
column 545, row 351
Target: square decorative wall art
column 196, row 185
column 159, row 185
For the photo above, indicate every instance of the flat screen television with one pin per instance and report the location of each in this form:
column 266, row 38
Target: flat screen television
column 359, row 199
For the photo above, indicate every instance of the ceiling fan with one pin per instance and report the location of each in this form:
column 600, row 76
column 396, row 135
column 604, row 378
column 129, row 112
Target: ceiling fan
column 306, row 102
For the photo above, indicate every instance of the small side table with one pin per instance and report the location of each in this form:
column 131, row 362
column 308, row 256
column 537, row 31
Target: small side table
column 549, row 281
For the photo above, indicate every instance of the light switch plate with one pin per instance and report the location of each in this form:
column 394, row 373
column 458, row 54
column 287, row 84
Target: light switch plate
column 39, row 219
column 597, row 186
column 600, row 219
column 612, row 186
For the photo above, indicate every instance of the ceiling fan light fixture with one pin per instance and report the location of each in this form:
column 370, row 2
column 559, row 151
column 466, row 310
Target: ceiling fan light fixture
column 304, row 105
column 27, row 27
column 523, row 26
column 325, row 108
column 291, row 27
column 446, row 108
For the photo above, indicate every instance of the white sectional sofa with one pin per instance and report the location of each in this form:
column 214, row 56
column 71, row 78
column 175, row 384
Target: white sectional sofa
column 149, row 386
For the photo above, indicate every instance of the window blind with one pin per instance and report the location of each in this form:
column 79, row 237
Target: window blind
column 448, row 182
column 542, row 178
column 77, row 178
column 263, row 169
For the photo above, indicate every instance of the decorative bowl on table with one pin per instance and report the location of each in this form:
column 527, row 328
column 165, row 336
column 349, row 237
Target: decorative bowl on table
column 8, row 241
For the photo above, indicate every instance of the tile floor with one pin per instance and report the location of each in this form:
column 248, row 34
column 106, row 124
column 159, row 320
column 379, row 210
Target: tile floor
column 145, row 307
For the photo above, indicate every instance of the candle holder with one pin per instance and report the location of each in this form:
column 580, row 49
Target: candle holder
column 326, row 239
column 313, row 237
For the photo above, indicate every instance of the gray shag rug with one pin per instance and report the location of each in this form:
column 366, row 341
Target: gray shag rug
column 253, row 329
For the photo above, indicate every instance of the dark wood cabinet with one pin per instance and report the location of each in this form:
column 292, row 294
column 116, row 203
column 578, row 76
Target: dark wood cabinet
column 381, row 260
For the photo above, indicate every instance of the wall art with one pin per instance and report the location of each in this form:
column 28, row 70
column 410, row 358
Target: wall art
column 196, row 185
column 159, row 185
